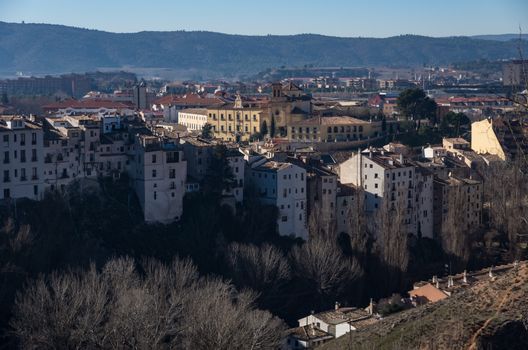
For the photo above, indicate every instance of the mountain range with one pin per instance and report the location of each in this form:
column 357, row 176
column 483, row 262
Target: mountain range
column 53, row 49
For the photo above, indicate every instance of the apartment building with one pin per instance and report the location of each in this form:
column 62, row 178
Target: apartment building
column 458, row 201
column 198, row 153
column 158, row 175
column 22, row 158
column 346, row 204
column 383, row 177
column 424, row 199
column 284, row 186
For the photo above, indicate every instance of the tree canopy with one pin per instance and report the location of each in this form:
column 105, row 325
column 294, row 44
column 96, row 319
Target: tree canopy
column 207, row 131
column 415, row 104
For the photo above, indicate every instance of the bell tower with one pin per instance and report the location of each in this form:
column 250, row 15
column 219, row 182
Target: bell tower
column 276, row 90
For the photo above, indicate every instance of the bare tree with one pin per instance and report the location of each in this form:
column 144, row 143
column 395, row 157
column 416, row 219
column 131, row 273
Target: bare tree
column 62, row 311
column 506, row 199
column 392, row 239
column 320, row 261
column 456, row 233
column 154, row 307
column 264, row 268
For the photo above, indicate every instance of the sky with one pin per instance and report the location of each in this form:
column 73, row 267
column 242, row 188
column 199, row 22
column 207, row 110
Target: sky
column 346, row 18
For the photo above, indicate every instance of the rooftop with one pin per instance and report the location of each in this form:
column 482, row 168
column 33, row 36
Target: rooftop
column 307, row 333
column 323, row 121
column 344, row 314
column 272, row 166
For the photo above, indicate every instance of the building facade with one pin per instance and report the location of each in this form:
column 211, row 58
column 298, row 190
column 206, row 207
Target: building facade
column 284, row 186
column 22, row 158
column 193, row 119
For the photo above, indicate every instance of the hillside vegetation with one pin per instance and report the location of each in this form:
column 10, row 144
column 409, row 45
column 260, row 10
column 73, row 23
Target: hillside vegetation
column 44, row 48
column 492, row 314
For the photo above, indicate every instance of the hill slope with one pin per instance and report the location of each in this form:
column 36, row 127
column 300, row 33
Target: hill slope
column 488, row 315
column 44, row 48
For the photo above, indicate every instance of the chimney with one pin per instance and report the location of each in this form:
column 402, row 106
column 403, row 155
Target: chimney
column 336, row 306
column 435, row 279
column 437, row 284
column 516, row 263
column 401, row 158
column 450, row 282
column 312, row 328
column 490, row 273
column 464, row 277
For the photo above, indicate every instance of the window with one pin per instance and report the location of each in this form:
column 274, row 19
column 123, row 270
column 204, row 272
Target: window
column 155, row 195
column 172, row 173
column 34, row 139
column 35, row 190
column 153, row 158
column 34, row 174
column 6, row 157
column 284, row 219
column 6, row 175
column 33, row 155
column 23, row 155
column 153, row 172
column 22, row 139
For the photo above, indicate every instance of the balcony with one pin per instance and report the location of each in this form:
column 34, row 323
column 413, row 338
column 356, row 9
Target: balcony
column 23, row 178
column 7, row 179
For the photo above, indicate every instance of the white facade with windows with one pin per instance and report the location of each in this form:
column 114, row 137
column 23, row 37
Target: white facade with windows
column 283, row 185
column 158, row 174
column 21, row 158
column 193, row 119
column 383, row 176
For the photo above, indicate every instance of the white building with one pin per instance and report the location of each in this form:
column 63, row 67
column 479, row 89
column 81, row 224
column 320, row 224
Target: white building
column 158, row 175
column 340, row 320
column 22, row 158
column 282, row 185
column 383, row 176
column 193, row 119
column 432, row 152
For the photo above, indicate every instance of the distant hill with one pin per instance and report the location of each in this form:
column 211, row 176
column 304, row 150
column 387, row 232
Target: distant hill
column 45, row 48
column 499, row 37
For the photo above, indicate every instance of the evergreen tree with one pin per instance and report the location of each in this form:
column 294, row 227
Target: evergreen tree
column 272, row 127
column 207, row 131
column 219, row 175
column 264, row 128
column 415, row 104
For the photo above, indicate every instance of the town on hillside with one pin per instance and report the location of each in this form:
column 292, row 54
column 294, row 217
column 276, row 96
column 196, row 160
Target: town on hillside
column 340, row 200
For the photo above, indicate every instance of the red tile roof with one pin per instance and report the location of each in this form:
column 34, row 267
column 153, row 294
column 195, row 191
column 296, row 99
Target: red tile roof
column 188, row 99
column 87, row 104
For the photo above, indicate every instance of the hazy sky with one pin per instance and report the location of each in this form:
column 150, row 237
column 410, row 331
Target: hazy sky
column 374, row 18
